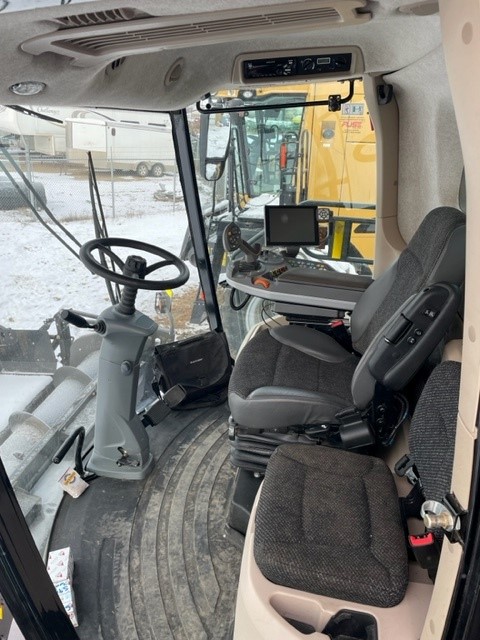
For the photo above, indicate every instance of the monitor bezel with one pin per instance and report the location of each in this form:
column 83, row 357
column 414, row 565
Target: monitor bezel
column 269, row 209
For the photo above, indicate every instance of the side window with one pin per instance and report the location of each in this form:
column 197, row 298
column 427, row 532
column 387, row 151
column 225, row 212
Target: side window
column 338, row 158
column 48, row 368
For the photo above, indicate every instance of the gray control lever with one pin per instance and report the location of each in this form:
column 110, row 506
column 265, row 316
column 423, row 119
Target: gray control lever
column 67, row 315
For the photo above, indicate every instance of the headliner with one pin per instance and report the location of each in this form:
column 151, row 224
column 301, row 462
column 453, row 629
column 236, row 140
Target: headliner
column 390, row 41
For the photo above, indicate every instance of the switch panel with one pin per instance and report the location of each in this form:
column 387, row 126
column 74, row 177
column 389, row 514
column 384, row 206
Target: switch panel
column 412, row 334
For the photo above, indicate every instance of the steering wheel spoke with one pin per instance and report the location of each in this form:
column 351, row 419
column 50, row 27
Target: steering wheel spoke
column 113, row 257
column 104, row 246
column 158, row 265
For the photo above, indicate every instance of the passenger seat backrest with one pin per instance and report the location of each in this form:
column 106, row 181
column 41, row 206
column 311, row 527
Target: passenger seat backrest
column 436, row 253
column 433, row 428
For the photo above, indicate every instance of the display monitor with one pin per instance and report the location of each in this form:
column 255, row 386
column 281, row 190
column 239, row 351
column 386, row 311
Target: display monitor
column 291, row 225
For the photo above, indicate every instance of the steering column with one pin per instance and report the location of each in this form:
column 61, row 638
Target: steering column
column 121, row 446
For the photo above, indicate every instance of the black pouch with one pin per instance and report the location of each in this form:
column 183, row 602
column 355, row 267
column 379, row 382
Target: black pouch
column 193, row 373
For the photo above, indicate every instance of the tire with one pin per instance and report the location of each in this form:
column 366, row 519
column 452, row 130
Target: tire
column 253, row 311
column 158, row 170
column 142, row 170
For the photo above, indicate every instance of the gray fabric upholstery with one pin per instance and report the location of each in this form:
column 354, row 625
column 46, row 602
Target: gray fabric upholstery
column 275, row 385
column 432, row 432
column 435, row 244
column 328, row 522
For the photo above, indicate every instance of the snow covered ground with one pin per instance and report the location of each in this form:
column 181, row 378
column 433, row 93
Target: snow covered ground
column 40, row 276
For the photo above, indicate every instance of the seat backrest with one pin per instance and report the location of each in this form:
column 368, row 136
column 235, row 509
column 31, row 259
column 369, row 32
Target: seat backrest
column 436, row 253
column 433, row 427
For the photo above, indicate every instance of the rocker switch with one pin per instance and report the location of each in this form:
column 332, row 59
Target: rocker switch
column 398, row 330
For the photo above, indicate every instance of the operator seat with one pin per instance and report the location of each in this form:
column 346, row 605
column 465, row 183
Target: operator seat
column 293, row 375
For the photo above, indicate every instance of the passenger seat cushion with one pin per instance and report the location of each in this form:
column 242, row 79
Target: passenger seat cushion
column 275, row 385
column 328, row 522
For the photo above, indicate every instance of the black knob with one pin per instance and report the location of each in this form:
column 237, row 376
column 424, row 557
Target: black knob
column 135, row 266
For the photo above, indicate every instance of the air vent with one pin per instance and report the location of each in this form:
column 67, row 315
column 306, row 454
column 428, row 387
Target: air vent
column 117, row 63
column 164, row 35
column 101, row 17
column 100, row 43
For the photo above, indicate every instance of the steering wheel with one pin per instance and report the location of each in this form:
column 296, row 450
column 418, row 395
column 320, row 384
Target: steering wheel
column 104, row 246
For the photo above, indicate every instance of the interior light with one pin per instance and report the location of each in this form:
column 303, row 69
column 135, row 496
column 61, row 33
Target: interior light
column 29, row 88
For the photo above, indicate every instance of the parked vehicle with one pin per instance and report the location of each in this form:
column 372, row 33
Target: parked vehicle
column 118, row 146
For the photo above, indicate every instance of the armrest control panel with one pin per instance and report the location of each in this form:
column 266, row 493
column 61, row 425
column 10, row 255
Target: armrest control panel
column 413, row 334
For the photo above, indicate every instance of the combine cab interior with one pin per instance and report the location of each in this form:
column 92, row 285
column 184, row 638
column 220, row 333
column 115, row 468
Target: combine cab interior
column 239, row 354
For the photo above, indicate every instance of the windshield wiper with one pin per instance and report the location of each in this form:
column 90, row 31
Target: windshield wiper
column 29, row 112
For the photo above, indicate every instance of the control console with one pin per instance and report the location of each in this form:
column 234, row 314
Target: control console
column 297, row 66
column 275, row 276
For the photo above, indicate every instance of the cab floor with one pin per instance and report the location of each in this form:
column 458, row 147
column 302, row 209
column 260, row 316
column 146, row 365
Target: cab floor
column 152, row 560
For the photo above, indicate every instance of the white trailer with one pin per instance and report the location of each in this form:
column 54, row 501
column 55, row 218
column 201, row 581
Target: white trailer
column 116, row 145
column 118, row 139
column 38, row 135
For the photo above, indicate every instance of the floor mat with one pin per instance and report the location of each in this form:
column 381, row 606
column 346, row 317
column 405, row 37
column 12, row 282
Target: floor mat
column 151, row 558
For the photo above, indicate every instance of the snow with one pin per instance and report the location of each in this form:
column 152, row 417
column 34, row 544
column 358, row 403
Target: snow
column 40, row 276
column 60, row 401
column 17, row 391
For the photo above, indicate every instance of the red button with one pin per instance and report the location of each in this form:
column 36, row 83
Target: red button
column 421, row 541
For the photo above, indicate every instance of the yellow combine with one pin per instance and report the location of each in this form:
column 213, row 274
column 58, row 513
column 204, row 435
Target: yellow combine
column 309, row 153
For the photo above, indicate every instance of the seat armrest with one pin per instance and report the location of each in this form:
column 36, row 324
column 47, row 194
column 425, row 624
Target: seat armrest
column 311, row 342
column 334, row 279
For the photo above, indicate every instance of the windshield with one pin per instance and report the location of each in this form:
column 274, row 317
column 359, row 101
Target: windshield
column 289, row 155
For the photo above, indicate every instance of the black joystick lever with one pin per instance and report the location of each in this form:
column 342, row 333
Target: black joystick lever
column 232, row 240
column 67, row 315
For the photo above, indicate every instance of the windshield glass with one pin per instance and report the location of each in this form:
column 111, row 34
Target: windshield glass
column 290, row 155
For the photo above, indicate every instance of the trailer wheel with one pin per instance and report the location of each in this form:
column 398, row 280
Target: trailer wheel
column 142, row 170
column 158, row 170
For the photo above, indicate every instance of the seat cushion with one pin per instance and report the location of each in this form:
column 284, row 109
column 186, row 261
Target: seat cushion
column 328, row 522
column 276, row 385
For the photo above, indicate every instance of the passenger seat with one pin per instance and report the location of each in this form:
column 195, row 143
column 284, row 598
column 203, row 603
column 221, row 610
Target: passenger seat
column 328, row 524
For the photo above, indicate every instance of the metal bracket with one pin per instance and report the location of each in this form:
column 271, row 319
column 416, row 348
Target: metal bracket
column 384, row 93
column 334, row 102
column 127, row 460
column 447, row 515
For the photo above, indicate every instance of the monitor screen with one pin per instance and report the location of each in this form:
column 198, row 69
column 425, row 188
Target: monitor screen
column 291, row 225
